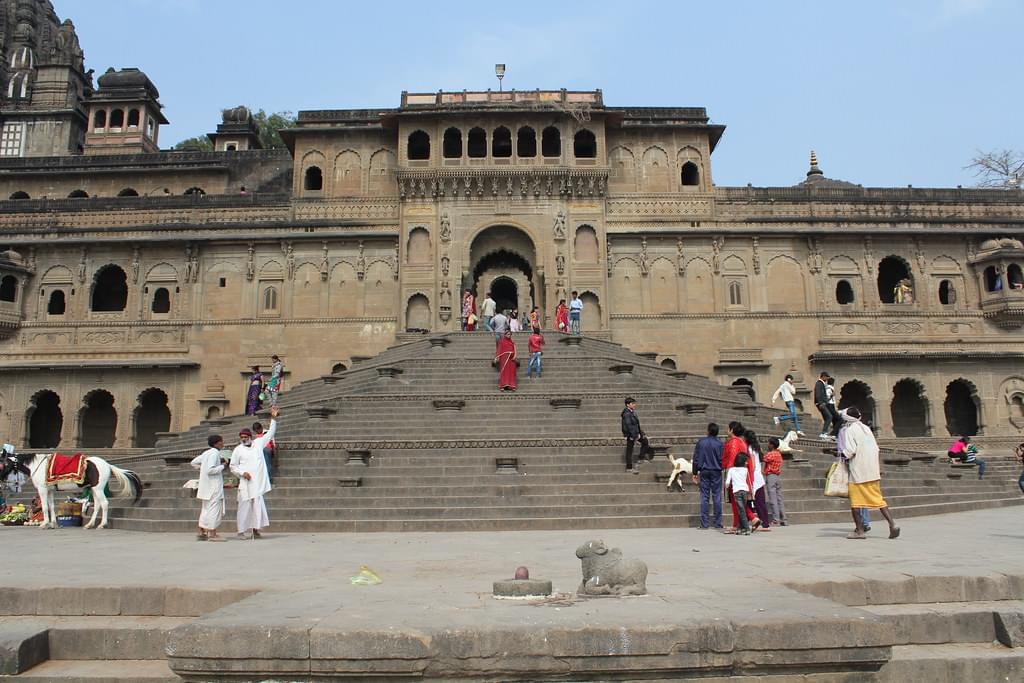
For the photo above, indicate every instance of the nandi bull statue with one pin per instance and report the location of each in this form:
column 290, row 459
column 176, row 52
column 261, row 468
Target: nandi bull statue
column 605, row 572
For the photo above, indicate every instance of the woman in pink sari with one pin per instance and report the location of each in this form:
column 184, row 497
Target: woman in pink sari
column 505, row 358
column 468, row 310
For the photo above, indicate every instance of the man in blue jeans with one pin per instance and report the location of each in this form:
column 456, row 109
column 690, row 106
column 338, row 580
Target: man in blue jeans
column 787, row 391
column 575, row 313
column 707, row 472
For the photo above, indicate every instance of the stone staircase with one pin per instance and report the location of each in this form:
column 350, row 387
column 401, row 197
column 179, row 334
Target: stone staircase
column 419, row 438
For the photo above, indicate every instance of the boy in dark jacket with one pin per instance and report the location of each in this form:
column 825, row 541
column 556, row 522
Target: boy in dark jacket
column 631, row 430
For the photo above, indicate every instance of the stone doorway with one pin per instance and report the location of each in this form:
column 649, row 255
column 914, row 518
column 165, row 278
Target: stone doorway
column 45, row 420
column 857, row 393
column 505, row 293
column 97, row 420
column 151, row 417
column 961, row 408
column 909, row 409
column 502, row 261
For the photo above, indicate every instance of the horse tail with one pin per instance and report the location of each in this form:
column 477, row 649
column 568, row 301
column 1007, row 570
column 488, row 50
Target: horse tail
column 131, row 485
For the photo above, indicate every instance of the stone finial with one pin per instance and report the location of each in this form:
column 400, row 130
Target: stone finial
column 814, row 165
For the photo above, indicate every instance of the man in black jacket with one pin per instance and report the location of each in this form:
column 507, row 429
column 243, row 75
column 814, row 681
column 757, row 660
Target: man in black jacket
column 822, row 404
column 631, row 430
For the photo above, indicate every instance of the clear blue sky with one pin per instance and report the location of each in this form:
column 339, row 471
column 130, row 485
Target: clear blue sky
column 888, row 92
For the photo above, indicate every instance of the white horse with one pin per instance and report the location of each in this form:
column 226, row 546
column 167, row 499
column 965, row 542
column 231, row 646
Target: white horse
column 98, row 473
column 680, row 466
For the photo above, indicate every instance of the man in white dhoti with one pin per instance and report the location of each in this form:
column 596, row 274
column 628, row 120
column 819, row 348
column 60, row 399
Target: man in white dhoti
column 211, row 489
column 248, row 464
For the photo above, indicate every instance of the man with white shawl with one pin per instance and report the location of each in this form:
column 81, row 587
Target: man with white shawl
column 211, row 489
column 861, row 450
column 248, row 464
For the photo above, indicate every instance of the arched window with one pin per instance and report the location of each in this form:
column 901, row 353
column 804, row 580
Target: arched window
column 117, row 118
column 57, row 304
column 993, row 280
column 152, row 416
column 452, row 144
column 18, row 87
column 668, row 364
column 314, row 179
column 196, row 191
column 133, row 118
column 419, row 146
column 947, row 293
column 745, row 386
column 584, row 145
column 690, row 175
column 551, row 142
column 45, row 420
column 1014, row 278
column 476, row 145
column 161, row 301
column 128, row 192
column 894, row 282
column 526, row 143
column 20, row 195
column 961, row 408
column 909, row 409
column 735, row 294
column 8, row 288
column 857, row 393
column 270, row 300
column 99, row 120
column 78, row 194
column 338, row 368
column 110, row 290
column 844, row 293
column 98, row 420
column 501, row 143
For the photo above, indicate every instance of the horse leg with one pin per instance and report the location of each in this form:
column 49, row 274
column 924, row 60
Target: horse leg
column 97, row 496
column 50, row 507
column 102, row 503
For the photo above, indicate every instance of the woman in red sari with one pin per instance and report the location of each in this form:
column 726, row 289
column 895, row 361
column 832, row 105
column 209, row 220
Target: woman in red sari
column 468, row 311
column 505, row 357
column 562, row 317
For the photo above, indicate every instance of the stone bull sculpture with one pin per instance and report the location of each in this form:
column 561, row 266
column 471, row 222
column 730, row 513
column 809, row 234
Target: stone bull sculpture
column 605, row 572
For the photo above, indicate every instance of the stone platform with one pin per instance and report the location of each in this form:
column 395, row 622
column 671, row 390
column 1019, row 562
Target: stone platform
column 800, row 603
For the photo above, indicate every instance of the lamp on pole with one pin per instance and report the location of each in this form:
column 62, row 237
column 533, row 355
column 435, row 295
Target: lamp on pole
column 499, row 71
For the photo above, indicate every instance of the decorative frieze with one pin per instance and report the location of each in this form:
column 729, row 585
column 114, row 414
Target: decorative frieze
column 512, row 183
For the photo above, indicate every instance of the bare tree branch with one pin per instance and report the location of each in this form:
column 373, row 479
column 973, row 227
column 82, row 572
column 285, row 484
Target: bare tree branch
column 1002, row 168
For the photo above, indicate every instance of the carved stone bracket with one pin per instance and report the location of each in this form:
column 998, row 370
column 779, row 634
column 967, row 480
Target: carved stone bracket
column 319, row 412
column 622, row 369
column 571, row 340
column 438, row 343
column 506, row 465
column 693, row 408
column 651, row 356
column 449, row 404
column 358, row 456
column 389, row 372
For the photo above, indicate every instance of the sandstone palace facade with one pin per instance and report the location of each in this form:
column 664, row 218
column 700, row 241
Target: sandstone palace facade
column 137, row 286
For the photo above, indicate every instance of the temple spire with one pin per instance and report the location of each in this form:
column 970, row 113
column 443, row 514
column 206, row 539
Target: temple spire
column 814, row 166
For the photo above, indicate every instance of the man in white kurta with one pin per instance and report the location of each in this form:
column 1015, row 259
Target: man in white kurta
column 248, row 464
column 211, row 488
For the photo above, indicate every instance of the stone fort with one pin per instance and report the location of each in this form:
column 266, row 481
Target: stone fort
column 138, row 286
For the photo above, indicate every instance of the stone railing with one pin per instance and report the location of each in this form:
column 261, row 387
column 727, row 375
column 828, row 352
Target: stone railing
column 502, row 183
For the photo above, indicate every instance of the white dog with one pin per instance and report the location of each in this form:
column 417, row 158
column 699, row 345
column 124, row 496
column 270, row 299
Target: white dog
column 786, row 443
column 679, row 466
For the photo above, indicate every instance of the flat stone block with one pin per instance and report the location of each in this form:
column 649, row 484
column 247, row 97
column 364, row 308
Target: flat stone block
column 59, row 601
column 566, row 403
column 890, row 591
column 101, row 601
column 19, row 602
column 521, row 588
column 22, row 646
column 191, row 602
column 940, row 588
column 143, row 601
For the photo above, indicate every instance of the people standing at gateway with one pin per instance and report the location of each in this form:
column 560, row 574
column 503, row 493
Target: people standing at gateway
column 487, row 309
column 276, row 377
column 787, row 391
column 211, row 488
column 468, row 309
column 248, row 464
column 575, row 313
column 562, row 317
column 505, row 359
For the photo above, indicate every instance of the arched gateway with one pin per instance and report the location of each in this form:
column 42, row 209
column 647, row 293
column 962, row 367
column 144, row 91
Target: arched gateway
column 503, row 261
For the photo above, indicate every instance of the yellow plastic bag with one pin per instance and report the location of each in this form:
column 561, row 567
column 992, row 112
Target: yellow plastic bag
column 837, row 483
column 365, row 577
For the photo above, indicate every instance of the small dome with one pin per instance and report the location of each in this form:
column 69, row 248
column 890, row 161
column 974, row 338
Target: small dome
column 1010, row 243
column 989, row 244
column 239, row 114
column 129, row 78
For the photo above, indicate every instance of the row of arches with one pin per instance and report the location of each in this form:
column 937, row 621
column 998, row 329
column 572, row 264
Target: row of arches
column 351, row 175
column 123, row 192
column 102, row 120
column 653, row 173
column 994, row 279
column 97, row 419
column 418, row 146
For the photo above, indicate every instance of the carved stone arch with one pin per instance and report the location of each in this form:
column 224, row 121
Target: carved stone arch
column 734, row 265
column 1011, row 390
column 271, row 270
column 622, row 173
column 162, row 272
column 313, row 160
column 109, row 290
column 842, row 265
column 591, row 318
column 57, row 275
column 380, row 290
column 687, row 153
column 419, row 247
column 625, row 284
column 348, row 173
column 962, row 408
column 345, row 290
column 383, row 178
column 151, row 416
column 97, row 419
column 306, row 288
column 585, row 244
column 909, row 408
column 690, row 167
column 664, row 286
column 655, row 168
column 418, row 313
column 698, row 286
column 44, row 419
column 945, row 265
column 785, row 288
column 891, row 270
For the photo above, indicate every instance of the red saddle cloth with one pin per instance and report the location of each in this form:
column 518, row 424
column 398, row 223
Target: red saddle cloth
column 66, row 468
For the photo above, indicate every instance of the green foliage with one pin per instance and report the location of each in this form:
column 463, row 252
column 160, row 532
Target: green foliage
column 268, row 125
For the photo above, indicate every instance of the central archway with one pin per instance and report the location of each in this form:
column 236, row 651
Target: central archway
column 502, row 260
